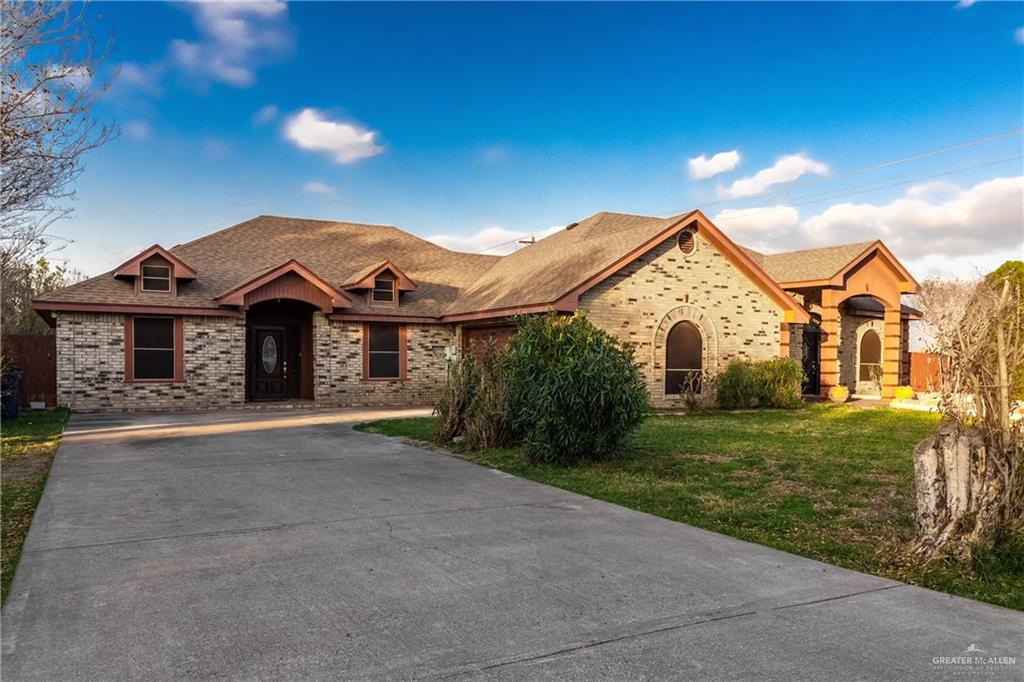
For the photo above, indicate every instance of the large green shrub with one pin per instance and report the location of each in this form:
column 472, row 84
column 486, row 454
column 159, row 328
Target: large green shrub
column 573, row 392
column 769, row 383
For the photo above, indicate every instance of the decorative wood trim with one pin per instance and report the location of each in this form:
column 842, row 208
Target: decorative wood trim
column 384, row 317
column 129, row 309
column 236, row 295
column 133, row 266
column 365, row 281
column 511, row 311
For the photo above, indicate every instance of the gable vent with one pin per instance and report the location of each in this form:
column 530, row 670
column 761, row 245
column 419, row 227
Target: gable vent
column 687, row 242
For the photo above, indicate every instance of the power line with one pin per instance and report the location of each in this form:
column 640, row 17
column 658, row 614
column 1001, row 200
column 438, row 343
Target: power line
column 858, row 171
column 848, row 191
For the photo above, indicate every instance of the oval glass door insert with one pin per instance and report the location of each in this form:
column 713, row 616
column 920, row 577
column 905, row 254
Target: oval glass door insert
column 269, row 354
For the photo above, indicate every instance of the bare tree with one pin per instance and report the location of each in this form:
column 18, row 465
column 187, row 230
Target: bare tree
column 49, row 87
column 970, row 475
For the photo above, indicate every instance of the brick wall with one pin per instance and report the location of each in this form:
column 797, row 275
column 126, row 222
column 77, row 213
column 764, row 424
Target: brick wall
column 90, row 365
column 641, row 303
column 338, row 365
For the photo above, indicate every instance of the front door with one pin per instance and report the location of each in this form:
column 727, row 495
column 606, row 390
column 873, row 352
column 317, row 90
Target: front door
column 271, row 367
column 812, row 360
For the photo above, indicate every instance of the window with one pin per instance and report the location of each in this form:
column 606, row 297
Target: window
column 683, row 359
column 383, row 290
column 156, row 278
column 870, row 357
column 687, row 242
column 152, row 348
column 385, row 352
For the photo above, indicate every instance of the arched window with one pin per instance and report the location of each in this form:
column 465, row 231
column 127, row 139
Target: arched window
column 683, row 359
column 870, row 356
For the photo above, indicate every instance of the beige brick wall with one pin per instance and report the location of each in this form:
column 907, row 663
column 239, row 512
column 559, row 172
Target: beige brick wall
column 641, row 303
column 338, row 365
column 90, row 365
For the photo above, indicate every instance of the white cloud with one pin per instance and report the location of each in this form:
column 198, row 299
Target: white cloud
column 495, row 153
column 136, row 130
column 987, row 216
column 1018, row 35
column 759, row 227
column 701, row 167
column 344, row 142
column 320, row 188
column 235, row 38
column 786, row 169
column 265, row 114
column 504, row 241
column 932, row 227
column 964, row 4
column 144, row 77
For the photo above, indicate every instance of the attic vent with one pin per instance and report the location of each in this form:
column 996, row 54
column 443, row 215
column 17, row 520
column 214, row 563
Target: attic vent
column 571, row 225
column 687, row 243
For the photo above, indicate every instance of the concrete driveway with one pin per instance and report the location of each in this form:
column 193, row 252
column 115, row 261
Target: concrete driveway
column 285, row 545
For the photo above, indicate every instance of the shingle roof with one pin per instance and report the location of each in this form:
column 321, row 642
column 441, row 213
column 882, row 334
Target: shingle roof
column 449, row 282
column 543, row 272
column 333, row 250
column 807, row 264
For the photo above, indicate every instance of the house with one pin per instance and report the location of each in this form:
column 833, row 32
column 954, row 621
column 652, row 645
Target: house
column 346, row 314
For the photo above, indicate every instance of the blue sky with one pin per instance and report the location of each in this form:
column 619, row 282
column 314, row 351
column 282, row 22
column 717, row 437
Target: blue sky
column 475, row 123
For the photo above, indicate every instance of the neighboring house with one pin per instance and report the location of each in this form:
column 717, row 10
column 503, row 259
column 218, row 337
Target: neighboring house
column 346, row 314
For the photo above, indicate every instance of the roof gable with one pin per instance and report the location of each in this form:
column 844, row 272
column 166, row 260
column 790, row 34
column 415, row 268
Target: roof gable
column 553, row 273
column 364, row 278
column 133, row 266
column 293, row 280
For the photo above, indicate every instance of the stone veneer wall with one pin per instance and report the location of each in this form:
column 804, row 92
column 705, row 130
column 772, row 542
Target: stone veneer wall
column 851, row 329
column 338, row 365
column 90, row 365
column 641, row 302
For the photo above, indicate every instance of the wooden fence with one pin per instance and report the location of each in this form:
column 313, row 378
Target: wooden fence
column 36, row 355
column 924, row 372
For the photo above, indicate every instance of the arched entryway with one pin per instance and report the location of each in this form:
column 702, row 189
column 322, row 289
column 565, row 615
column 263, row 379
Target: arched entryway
column 869, row 361
column 279, row 351
column 684, row 359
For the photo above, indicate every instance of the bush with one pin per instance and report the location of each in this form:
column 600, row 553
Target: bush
column 486, row 423
column 573, row 392
column 769, row 383
column 458, row 394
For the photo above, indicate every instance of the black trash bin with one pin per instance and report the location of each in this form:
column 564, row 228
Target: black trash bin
column 10, row 392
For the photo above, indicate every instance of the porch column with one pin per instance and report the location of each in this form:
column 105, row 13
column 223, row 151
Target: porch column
column 892, row 334
column 829, row 340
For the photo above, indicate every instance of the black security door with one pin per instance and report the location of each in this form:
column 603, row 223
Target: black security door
column 271, row 368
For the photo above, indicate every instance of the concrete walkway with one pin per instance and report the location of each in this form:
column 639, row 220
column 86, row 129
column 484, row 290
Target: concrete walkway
column 285, row 545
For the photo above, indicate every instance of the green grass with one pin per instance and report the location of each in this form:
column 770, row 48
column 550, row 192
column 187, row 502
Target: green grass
column 27, row 445
column 827, row 482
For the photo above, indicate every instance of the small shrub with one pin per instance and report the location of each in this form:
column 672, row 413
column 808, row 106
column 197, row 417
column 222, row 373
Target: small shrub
column 458, row 394
column 779, row 382
column 486, row 423
column 737, row 388
column 573, row 392
column 769, row 383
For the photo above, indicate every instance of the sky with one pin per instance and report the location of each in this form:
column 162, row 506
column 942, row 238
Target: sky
column 475, row 125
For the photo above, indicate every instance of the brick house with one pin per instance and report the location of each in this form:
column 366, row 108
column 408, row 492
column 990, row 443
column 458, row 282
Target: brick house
column 346, row 314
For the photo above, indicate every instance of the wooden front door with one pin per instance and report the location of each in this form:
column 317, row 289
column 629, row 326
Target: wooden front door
column 272, row 367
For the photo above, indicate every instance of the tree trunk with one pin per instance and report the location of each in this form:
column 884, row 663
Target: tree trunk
column 954, row 483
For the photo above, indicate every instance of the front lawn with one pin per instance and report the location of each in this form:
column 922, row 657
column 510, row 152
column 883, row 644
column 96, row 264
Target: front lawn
column 27, row 445
column 831, row 483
